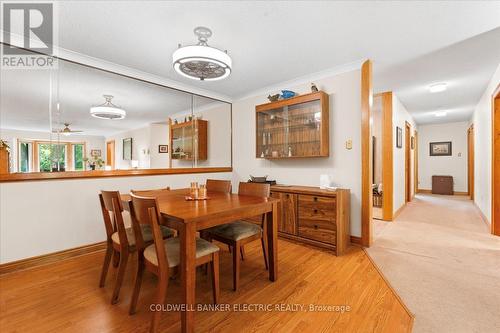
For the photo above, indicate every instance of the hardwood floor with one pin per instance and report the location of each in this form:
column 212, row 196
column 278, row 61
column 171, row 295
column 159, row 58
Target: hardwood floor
column 65, row 296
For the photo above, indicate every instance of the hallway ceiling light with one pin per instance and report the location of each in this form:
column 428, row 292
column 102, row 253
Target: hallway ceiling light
column 437, row 87
column 202, row 62
column 107, row 110
column 440, row 114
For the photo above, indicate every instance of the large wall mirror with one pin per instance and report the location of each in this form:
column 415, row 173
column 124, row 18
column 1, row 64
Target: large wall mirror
column 52, row 122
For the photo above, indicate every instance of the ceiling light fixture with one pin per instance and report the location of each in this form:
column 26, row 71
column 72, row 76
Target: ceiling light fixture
column 202, row 62
column 440, row 114
column 437, row 87
column 107, row 110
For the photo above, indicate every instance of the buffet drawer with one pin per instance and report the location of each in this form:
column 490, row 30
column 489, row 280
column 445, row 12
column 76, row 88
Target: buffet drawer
column 317, row 208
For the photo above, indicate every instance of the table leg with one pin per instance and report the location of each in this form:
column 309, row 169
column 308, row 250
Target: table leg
column 272, row 242
column 188, row 274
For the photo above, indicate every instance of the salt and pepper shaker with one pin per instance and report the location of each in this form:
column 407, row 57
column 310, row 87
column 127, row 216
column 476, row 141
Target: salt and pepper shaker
column 202, row 193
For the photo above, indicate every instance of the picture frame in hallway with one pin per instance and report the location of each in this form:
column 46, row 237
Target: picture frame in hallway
column 399, row 137
column 127, row 149
column 162, row 149
column 412, row 142
column 440, row 148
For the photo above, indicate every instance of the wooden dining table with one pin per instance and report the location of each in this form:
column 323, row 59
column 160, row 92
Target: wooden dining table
column 188, row 217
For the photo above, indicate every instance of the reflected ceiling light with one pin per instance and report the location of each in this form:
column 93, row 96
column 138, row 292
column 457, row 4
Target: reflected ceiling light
column 440, row 113
column 107, row 110
column 437, row 87
column 66, row 130
column 202, row 62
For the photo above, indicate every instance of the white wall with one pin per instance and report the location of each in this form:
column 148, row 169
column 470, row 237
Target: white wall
column 399, row 118
column 42, row 217
column 12, row 135
column 343, row 165
column 141, row 140
column 455, row 165
column 481, row 119
column 376, row 119
column 159, row 135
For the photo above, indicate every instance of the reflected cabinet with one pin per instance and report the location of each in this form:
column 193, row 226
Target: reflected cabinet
column 189, row 140
column 293, row 128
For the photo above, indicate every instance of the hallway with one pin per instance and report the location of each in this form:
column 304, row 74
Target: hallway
column 443, row 262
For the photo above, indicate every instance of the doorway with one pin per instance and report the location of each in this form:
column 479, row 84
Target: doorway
column 415, row 162
column 110, row 154
column 407, row 162
column 470, row 162
column 495, row 164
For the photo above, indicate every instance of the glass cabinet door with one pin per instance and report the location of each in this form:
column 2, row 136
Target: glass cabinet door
column 290, row 131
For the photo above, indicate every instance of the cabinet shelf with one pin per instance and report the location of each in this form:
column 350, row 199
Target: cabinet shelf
column 297, row 126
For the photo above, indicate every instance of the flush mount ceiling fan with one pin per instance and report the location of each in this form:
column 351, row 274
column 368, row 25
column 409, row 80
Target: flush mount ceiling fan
column 66, row 130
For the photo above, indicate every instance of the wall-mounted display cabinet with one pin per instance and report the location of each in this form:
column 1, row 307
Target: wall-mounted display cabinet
column 293, row 128
column 189, row 139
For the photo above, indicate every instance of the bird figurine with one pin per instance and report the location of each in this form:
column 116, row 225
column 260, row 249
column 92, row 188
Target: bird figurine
column 314, row 88
column 273, row 98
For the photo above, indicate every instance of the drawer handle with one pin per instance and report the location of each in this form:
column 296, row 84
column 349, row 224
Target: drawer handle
column 315, row 198
column 287, row 195
column 315, row 226
column 315, row 211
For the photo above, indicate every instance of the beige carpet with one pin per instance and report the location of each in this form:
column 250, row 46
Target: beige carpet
column 444, row 264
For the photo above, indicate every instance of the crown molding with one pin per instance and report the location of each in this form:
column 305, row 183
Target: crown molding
column 348, row 67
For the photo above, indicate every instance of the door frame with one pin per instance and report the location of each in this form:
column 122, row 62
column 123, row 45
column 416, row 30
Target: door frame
column 112, row 164
column 407, row 162
column 366, row 153
column 495, row 155
column 470, row 161
column 415, row 162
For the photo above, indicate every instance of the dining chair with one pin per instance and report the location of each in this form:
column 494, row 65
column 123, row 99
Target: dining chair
column 120, row 240
column 161, row 257
column 237, row 234
column 215, row 185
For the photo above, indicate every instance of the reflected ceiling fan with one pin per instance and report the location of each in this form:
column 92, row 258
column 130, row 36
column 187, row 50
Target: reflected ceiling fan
column 66, row 130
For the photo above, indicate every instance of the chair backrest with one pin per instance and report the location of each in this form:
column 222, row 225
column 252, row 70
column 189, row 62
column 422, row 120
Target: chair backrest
column 254, row 189
column 111, row 206
column 150, row 192
column 144, row 210
column 215, row 185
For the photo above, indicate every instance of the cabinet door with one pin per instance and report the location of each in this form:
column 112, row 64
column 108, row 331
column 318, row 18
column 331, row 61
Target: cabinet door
column 287, row 212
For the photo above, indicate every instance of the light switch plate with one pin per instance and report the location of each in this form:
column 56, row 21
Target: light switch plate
column 348, row 144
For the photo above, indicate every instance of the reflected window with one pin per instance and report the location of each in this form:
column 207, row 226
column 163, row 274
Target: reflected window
column 78, row 155
column 51, row 157
column 25, row 152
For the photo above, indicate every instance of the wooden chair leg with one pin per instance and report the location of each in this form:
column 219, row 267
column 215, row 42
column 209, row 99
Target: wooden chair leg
column 105, row 265
column 119, row 277
column 236, row 265
column 242, row 251
column 214, row 264
column 161, row 294
column 264, row 252
column 138, row 283
column 116, row 258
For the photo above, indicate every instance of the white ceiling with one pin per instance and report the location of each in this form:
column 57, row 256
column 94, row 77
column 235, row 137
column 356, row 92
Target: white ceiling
column 26, row 102
column 412, row 44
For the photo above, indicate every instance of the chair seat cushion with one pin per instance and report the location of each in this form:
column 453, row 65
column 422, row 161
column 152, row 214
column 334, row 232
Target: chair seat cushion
column 172, row 247
column 147, row 234
column 236, row 230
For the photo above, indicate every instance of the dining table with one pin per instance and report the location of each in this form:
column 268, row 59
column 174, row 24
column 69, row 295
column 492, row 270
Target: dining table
column 190, row 216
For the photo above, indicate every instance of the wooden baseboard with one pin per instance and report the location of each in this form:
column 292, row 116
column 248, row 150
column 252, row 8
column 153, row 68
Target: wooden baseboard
column 355, row 240
column 400, row 209
column 483, row 217
column 425, row 191
column 50, row 258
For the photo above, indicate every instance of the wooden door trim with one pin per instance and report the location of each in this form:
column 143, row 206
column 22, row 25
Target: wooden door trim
column 470, row 161
column 387, row 156
column 366, row 153
column 415, row 162
column 407, row 162
column 114, row 153
column 495, row 183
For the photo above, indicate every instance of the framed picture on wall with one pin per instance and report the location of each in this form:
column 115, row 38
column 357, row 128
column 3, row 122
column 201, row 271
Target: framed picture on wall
column 95, row 152
column 127, row 149
column 399, row 137
column 163, row 149
column 440, row 148
column 412, row 142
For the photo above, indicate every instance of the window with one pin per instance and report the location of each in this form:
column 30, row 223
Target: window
column 51, row 157
column 78, row 155
column 25, row 151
